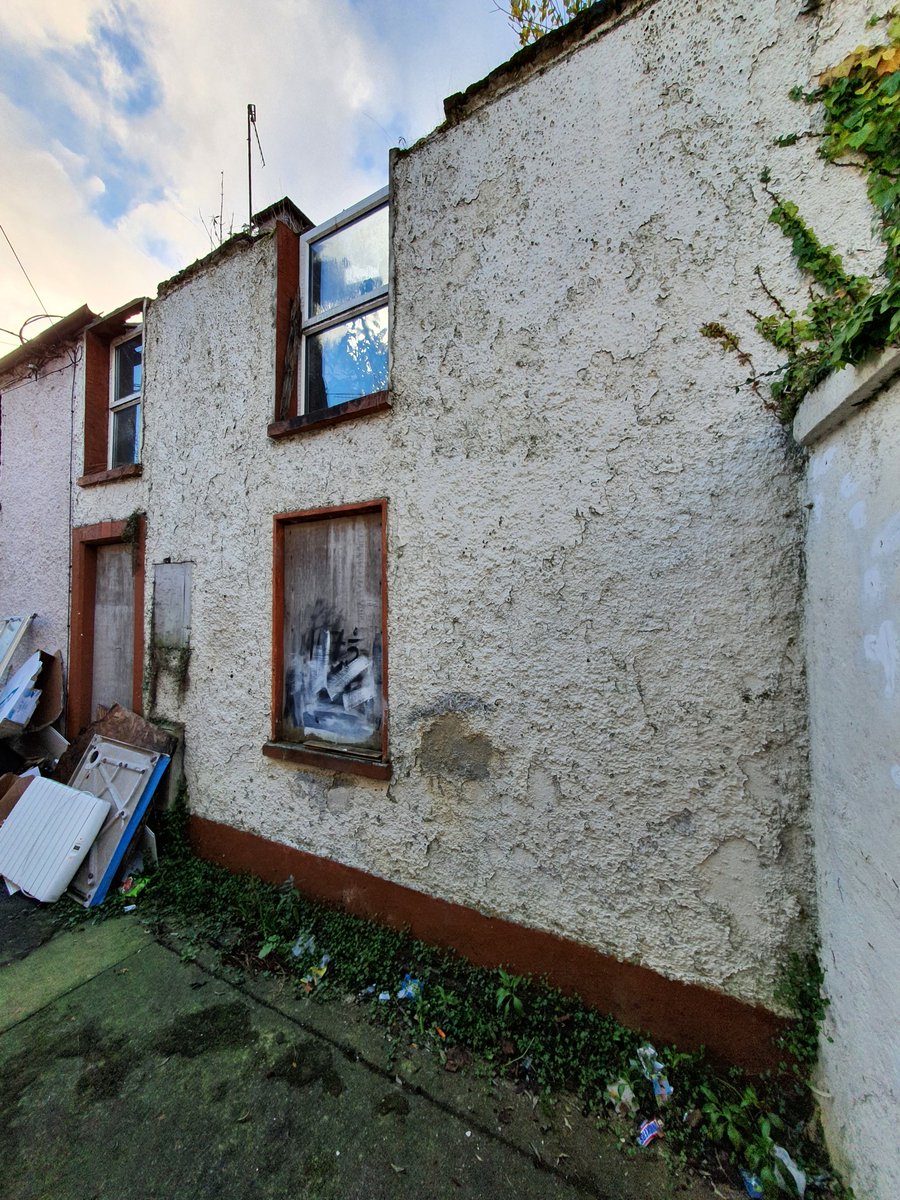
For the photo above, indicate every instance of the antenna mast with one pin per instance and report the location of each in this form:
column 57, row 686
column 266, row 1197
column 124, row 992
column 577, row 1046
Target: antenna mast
column 251, row 121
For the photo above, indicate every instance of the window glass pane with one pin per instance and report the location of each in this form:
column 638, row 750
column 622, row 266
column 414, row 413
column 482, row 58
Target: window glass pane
column 347, row 361
column 126, row 433
column 348, row 266
column 332, row 633
column 128, row 368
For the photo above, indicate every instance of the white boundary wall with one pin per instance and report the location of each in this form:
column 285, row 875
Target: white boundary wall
column 853, row 652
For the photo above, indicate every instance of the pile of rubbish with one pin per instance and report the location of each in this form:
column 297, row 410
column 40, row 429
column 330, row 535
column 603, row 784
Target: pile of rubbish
column 621, row 1094
column 75, row 818
column 31, row 700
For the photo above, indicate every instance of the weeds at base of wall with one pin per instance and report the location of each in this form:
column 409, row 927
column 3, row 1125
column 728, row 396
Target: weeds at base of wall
column 504, row 1025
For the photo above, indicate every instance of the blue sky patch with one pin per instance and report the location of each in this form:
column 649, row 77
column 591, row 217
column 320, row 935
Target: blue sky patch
column 112, row 67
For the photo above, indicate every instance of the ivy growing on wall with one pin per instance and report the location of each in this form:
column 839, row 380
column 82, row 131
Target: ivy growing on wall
column 847, row 316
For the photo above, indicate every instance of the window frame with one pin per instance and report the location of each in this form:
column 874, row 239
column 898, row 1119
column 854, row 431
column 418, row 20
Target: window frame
column 98, row 337
column 133, row 400
column 295, row 752
column 310, row 325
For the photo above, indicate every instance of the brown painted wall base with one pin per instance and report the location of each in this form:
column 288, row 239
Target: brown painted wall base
column 686, row 1014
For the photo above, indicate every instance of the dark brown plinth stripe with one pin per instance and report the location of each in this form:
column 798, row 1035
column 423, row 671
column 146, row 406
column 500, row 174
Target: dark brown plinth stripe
column 686, row 1014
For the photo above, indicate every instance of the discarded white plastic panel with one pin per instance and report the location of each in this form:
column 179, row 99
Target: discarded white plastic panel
column 18, row 698
column 12, row 630
column 125, row 778
column 147, row 848
column 45, row 838
column 21, row 708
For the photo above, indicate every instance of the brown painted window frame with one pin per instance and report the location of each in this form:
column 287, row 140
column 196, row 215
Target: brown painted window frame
column 98, row 364
column 289, row 421
column 85, row 541
column 292, row 752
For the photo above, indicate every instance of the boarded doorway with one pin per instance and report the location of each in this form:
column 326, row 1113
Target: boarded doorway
column 107, row 647
column 113, row 665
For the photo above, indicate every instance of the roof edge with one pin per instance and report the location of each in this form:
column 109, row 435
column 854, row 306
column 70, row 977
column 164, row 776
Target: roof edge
column 599, row 17
column 238, row 241
column 284, row 210
column 113, row 323
column 39, row 348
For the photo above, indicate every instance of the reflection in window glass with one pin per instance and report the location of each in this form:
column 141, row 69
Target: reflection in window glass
column 126, row 433
column 347, row 361
column 350, row 265
column 128, row 369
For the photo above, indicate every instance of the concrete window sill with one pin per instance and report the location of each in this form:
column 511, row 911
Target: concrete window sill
column 131, row 471
column 346, row 764
column 307, row 422
column 834, row 400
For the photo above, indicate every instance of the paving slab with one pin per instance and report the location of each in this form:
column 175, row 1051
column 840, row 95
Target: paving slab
column 24, row 925
column 128, row 1070
column 64, row 962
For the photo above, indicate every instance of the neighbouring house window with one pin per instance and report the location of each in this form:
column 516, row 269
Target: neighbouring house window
column 113, row 384
column 126, row 369
column 345, row 306
column 329, row 639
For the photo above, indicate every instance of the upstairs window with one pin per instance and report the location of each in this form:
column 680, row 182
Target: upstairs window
column 345, row 271
column 125, row 381
column 113, row 386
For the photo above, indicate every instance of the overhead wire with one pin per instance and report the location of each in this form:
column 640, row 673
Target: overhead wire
column 26, row 382
column 24, row 272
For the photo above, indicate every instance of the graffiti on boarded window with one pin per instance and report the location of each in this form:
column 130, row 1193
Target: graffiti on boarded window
column 332, row 633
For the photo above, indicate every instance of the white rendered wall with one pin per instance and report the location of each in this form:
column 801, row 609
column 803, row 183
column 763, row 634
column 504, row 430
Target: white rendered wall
column 623, row 520
column 34, row 502
column 597, row 706
column 853, row 641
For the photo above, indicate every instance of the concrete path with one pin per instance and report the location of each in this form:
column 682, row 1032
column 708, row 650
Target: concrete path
column 127, row 1072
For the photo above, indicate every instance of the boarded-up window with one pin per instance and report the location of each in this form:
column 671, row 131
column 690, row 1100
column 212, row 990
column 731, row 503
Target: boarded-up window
column 172, row 604
column 333, row 664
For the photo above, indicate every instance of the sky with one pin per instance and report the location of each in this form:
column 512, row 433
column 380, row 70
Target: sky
column 123, row 124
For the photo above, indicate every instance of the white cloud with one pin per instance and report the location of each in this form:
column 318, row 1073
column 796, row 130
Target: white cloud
column 71, row 256
column 335, row 85
column 46, row 22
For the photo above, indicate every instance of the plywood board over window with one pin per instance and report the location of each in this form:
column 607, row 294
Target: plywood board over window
column 330, row 661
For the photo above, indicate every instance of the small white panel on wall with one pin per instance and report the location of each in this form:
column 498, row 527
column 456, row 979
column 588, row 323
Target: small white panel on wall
column 172, row 604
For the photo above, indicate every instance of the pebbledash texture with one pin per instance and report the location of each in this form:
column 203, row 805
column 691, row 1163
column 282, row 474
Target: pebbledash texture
column 592, row 574
column 596, row 712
